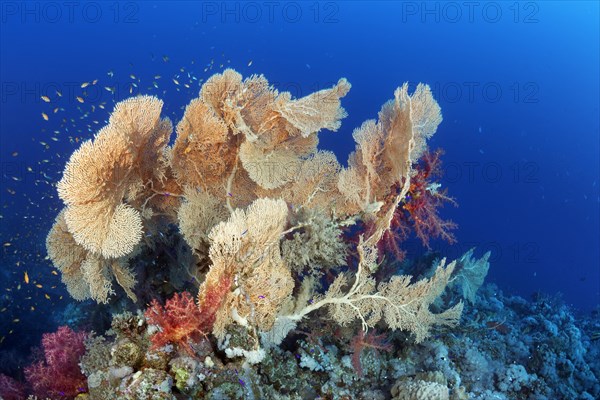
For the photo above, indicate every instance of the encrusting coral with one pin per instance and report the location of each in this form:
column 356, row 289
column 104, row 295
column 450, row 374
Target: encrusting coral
column 247, row 186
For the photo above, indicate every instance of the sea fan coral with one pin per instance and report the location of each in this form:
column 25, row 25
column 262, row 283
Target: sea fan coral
column 470, row 273
column 85, row 274
column 58, row 375
column 379, row 170
column 244, row 181
column 123, row 158
column 247, row 247
column 399, row 303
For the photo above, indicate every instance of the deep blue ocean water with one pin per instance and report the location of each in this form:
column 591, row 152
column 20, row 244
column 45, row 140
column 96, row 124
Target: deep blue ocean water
column 518, row 84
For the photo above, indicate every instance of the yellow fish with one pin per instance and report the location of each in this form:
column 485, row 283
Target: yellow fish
column 85, row 84
column 176, row 81
column 45, row 116
column 94, row 81
column 26, row 277
column 79, row 99
column 46, row 99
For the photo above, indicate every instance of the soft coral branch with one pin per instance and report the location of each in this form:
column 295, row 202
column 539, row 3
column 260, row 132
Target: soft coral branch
column 178, row 321
column 10, row 389
column 419, row 210
column 423, row 201
column 211, row 296
column 58, row 376
column 367, row 340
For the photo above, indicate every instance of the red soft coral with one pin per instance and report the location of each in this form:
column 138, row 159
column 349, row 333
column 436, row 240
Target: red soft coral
column 58, row 376
column 424, row 199
column 179, row 321
column 211, row 295
column 367, row 341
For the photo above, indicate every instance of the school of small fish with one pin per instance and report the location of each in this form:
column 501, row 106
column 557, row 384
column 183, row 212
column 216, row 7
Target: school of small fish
column 69, row 116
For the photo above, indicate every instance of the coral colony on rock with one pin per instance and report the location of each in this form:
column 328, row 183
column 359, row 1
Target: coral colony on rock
column 270, row 271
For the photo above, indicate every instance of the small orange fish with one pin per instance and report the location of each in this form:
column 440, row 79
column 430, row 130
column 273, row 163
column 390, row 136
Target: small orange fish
column 26, row 277
column 45, row 116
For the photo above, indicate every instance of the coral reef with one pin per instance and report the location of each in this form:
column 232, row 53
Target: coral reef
column 250, row 184
column 270, row 259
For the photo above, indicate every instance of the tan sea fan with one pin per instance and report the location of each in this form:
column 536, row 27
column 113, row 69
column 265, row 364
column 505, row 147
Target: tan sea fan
column 86, row 275
column 112, row 167
column 67, row 256
column 379, row 170
column 246, row 247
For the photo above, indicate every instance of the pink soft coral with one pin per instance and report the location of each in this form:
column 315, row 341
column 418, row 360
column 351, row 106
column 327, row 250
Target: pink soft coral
column 179, row 321
column 10, row 389
column 58, row 376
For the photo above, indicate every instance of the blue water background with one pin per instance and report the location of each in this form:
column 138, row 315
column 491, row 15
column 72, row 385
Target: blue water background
column 518, row 84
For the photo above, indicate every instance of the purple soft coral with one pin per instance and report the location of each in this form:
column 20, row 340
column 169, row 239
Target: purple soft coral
column 58, row 376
